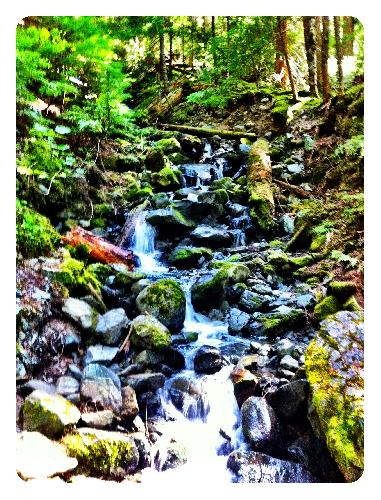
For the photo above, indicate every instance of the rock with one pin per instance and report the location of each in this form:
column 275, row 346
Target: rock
column 144, row 448
column 167, row 179
column 254, row 467
column 174, row 358
column 37, row 457
column 189, row 257
column 209, row 291
column 102, row 454
column 98, row 419
column 149, row 404
column 171, row 456
column 130, row 406
column 284, row 347
column 36, row 385
column 67, row 385
column 189, row 397
column 290, row 400
column 277, row 323
column 235, row 272
column 289, row 363
column 237, row 320
column 260, row 425
column 48, row 414
column 342, row 289
column 142, row 382
column 251, row 301
column 287, row 223
column 305, row 300
column 100, row 354
column 329, row 305
column 101, row 387
column 81, row 313
column 149, row 359
column 168, row 220
column 140, row 285
column 110, row 326
column 60, row 334
column 148, row 333
column 213, row 237
column 95, row 371
column 334, row 367
column 165, row 300
column 245, row 383
column 208, row 360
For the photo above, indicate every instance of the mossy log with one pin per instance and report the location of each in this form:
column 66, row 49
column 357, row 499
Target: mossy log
column 302, row 193
column 199, row 131
column 259, row 180
column 99, row 249
column 167, row 101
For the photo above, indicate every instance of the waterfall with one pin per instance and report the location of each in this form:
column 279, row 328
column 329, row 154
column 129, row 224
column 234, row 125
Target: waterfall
column 143, row 246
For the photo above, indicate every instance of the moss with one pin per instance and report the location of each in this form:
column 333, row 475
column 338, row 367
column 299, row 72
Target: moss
column 128, row 278
column 209, row 292
column 98, row 222
column 148, row 333
column 103, row 210
column 170, row 145
column 305, row 260
column 77, row 278
column 222, row 196
column 234, row 258
column 342, row 289
column 312, row 281
column 35, row 235
column 279, row 323
column 235, row 272
column 329, row 305
column 269, row 269
column 185, row 257
column 167, row 178
column 100, row 271
column 178, row 158
column 102, row 454
column 318, row 242
column 137, row 193
column 79, row 252
column 226, row 183
column 301, row 238
column 165, row 300
column 351, row 304
column 277, row 244
column 263, row 208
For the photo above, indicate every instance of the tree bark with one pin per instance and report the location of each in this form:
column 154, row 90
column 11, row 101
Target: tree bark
column 203, row 132
column 347, row 36
column 282, row 24
column 318, row 53
column 163, row 67
column 99, row 249
column 339, row 55
column 310, row 45
column 213, row 36
column 324, row 58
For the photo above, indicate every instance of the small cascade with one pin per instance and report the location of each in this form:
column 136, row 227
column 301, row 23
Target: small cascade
column 143, row 246
column 239, row 225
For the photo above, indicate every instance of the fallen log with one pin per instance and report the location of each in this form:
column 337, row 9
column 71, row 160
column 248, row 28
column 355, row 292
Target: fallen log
column 99, row 249
column 302, row 193
column 199, row 131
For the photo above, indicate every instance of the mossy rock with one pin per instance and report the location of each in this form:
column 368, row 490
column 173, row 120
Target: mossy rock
column 275, row 324
column 168, row 220
column 100, row 271
column 148, row 333
column 342, row 289
column 168, row 179
column 165, row 300
column 78, row 278
column 170, row 145
column 188, row 257
column 301, row 238
column 303, row 261
column 155, row 159
column 98, row 222
column 128, row 278
column 178, row 159
column 49, row 414
column 235, row 272
column 318, row 242
column 136, row 193
column 329, row 305
column 209, row 291
column 351, row 304
column 277, row 258
column 334, row 363
column 109, row 455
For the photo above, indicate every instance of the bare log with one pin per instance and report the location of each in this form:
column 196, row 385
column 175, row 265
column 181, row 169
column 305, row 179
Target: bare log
column 199, row 131
column 302, row 193
column 99, row 249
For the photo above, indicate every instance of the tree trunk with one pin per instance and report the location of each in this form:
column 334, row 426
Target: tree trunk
column 339, row 55
column 192, row 33
column 213, row 36
column 163, row 67
column 280, row 66
column 318, row 53
column 347, row 42
column 170, row 52
column 282, row 25
column 310, row 45
column 324, row 58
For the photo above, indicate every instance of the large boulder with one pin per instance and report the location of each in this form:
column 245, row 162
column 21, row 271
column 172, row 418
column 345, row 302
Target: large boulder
column 238, row 320
column 143, row 382
column 148, row 333
column 334, row 366
column 168, row 220
column 110, row 326
column 187, row 257
column 254, row 467
column 237, row 273
column 165, row 300
column 37, row 457
column 170, row 456
column 213, row 237
column 101, row 453
column 260, row 425
column 290, row 400
column 81, row 313
column 188, row 397
column 208, row 360
column 209, row 291
column 49, row 414
column 101, row 387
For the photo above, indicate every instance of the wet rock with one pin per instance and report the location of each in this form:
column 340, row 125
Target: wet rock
column 37, row 457
column 305, row 300
column 148, row 333
column 168, row 220
column 171, row 456
column 73, row 370
column 142, row 382
column 189, row 397
column 67, row 385
column 95, row 371
column 36, row 385
column 209, row 291
column 235, row 272
column 130, row 406
column 149, row 404
column 165, row 300
column 111, row 325
column 101, row 453
column 289, row 363
column 20, row 369
column 187, row 257
column 212, row 237
column 81, row 313
column 286, row 222
column 251, row 301
column 208, row 360
column 101, row 386
column 149, row 359
column 174, row 358
column 285, row 347
column 334, row 368
column 260, row 425
column 237, row 320
column 245, row 383
column 144, row 448
column 140, row 285
column 98, row 419
column 48, row 414
column 290, row 400
column 100, row 354
column 254, row 467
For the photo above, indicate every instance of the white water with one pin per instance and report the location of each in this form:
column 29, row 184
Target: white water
column 143, row 246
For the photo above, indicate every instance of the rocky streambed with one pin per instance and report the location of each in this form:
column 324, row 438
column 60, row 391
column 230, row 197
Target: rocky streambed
column 205, row 360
